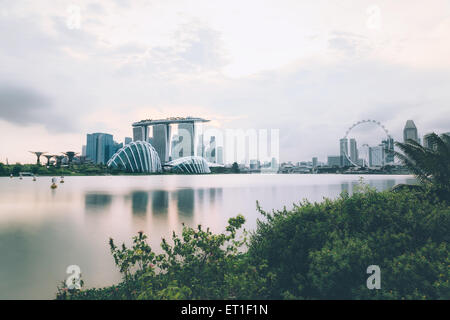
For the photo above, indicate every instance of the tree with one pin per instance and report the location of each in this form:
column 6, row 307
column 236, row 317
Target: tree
column 430, row 165
column 235, row 168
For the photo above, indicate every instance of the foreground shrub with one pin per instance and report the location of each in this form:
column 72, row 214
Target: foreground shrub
column 197, row 265
column 322, row 250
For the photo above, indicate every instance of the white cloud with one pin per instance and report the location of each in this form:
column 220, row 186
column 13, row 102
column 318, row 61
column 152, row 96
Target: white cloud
column 308, row 68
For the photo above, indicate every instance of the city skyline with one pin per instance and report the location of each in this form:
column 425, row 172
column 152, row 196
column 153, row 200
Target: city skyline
column 304, row 68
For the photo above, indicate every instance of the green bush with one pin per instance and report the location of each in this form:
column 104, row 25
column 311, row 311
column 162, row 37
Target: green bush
column 322, row 250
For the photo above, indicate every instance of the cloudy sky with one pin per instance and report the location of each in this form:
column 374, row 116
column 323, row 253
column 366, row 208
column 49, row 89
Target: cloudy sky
column 308, row 68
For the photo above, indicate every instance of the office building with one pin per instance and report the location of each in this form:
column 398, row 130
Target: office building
column 410, row 131
column 376, row 156
column 100, row 147
column 388, row 146
column 127, row 140
column 343, row 146
column 353, row 151
column 220, row 155
column 334, row 161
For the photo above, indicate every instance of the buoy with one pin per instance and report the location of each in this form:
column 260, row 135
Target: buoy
column 53, row 186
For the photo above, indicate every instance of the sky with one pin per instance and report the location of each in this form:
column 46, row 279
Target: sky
column 308, row 68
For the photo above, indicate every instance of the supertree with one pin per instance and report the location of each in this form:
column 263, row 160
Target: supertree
column 38, row 154
column 70, row 155
column 58, row 160
column 49, row 157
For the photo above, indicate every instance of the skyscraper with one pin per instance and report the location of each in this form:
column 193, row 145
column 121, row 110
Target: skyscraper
column 314, row 162
column 219, row 155
column 376, row 156
column 160, row 140
column 139, row 134
column 100, row 147
column 343, row 146
column 187, row 131
column 353, row 151
column 410, row 131
column 388, row 146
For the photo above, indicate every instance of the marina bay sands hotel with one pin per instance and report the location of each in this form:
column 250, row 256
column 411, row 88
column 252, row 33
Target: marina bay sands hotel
column 159, row 134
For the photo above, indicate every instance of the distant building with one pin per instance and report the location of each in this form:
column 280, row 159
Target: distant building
column 140, row 134
column 159, row 139
column 127, row 140
column 376, row 156
column 388, row 146
column 274, row 164
column 353, row 151
column 343, row 146
column 186, row 130
column 314, row 162
column 334, row 161
column 211, row 150
column 83, row 151
column 158, row 133
column 100, row 147
column 410, row 131
column 220, row 155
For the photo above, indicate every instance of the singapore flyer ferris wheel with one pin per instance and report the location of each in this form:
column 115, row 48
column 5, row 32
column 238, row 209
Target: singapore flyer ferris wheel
column 369, row 154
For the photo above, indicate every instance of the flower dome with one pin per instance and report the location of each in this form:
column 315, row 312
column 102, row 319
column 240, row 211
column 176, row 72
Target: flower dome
column 191, row 164
column 137, row 156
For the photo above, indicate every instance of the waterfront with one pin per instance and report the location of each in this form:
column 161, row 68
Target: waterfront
column 43, row 231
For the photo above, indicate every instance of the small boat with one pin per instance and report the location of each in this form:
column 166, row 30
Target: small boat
column 62, row 179
column 34, row 178
column 11, row 176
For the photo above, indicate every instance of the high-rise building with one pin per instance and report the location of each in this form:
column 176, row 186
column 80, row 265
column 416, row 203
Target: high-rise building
column 100, row 147
column 220, row 155
column 127, row 140
column 314, row 162
column 376, row 156
column 388, row 146
column 343, row 146
column 211, row 150
column 410, row 131
column 83, row 151
column 160, row 140
column 200, row 146
column 140, row 134
column 187, row 131
column 353, row 151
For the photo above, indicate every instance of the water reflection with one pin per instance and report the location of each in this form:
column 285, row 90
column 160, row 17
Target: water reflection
column 185, row 201
column 160, row 202
column 350, row 186
column 139, row 203
column 97, row 201
column 42, row 231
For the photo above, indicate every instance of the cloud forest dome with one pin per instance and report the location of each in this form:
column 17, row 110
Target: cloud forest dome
column 137, row 156
column 191, row 164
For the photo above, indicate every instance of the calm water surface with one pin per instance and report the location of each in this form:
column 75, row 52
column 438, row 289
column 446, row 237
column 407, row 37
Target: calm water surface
column 42, row 231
